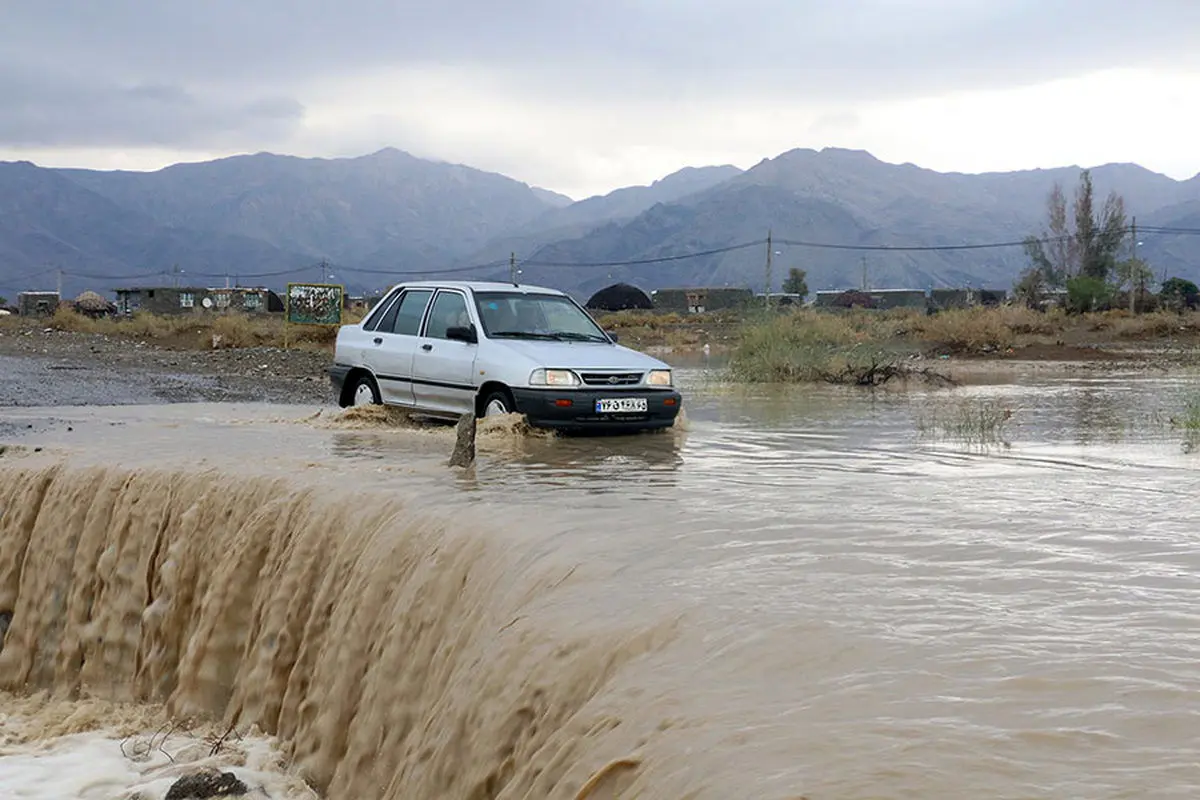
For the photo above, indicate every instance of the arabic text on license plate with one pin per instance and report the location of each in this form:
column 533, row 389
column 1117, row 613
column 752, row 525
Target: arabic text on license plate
column 624, row 405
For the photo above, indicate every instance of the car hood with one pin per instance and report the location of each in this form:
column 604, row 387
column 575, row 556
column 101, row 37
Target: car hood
column 579, row 355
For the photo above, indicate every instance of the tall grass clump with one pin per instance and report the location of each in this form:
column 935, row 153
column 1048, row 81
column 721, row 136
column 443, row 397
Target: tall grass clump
column 144, row 325
column 968, row 330
column 69, row 320
column 1188, row 418
column 240, row 330
column 809, row 346
column 971, row 421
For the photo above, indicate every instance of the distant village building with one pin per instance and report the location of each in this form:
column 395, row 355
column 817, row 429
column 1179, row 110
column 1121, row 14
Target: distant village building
column 899, row 298
column 619, row 297
column 699, row 300
column 195, row 299
column 360, row 304
column 931, row 301
column 37, row 304
column 849, row 298
column 781, row 298
column 946, row 299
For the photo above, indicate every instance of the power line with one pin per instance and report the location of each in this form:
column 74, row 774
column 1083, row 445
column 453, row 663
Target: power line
column 532, row 261
column 915, row 247
column 1173, row 231
column 657, row 260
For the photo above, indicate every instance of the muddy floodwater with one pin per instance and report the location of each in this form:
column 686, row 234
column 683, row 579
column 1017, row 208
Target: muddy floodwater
column 820, row 592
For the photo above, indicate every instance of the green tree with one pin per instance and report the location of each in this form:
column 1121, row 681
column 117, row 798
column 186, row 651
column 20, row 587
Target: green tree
column 1136, row 274
column 1086, row 293
column 1178, row 294
column 1030, row 290
column 3, row 300
column 796, row 282
column 1089, row 247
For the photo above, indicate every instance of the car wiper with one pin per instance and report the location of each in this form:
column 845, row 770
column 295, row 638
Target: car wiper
column 521, row 335
column 578, row 337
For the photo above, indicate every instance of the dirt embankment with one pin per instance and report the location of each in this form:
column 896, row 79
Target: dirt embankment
column 48, row 367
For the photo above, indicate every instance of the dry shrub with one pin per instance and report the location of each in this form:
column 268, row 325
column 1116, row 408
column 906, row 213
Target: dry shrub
column 143, row 325
column 806, row 345
column 240, row 330
column 1153, row 325
column 985, row 329
column 620, row 320
column 1024, row 321
column 66, row 318
column 314, row 336
column 969, row 330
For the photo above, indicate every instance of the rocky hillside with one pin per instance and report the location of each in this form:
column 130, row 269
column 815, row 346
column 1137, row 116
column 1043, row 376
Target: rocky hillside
column 273, row 218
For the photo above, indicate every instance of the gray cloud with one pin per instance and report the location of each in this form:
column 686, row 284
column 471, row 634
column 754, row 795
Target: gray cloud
column 224, row 70
column 41, row 109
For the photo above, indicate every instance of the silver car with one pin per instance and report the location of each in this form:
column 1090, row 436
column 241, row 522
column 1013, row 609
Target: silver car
column 446, row 348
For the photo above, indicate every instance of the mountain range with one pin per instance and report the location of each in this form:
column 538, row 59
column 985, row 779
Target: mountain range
column 370, row 221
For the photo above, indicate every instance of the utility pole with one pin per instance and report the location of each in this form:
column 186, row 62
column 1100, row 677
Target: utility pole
column 324, row 270
column 864, row 278
column 767, row 291
column 1135, row 273
column 512, row 268
column 60, row 277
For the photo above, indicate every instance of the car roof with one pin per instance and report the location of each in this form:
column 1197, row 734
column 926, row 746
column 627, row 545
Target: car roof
column 478, row 286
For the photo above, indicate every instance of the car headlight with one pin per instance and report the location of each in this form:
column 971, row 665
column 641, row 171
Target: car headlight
column 554, row 377
column 659, row 377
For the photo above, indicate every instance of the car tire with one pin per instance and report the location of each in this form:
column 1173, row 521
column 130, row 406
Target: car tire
column 364, row 391
column 497, row 402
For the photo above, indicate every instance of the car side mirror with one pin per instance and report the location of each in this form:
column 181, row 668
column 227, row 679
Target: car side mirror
column 612, row 336
column 462, row 333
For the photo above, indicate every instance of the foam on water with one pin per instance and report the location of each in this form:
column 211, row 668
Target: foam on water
column 80, row 750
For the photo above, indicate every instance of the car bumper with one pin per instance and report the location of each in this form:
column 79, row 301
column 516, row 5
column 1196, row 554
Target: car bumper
column 545, row 408
column 337, row 378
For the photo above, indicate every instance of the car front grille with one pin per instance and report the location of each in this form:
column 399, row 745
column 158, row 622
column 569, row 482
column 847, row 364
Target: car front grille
column 611, row 378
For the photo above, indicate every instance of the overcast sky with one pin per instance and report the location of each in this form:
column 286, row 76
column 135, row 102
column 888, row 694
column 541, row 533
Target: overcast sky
column 583, row 96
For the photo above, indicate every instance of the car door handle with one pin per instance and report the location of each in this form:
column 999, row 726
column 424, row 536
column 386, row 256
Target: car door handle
column 378, row 340
column 427, row 347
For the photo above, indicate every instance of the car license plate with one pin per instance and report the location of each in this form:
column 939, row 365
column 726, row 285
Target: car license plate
column 623, row 405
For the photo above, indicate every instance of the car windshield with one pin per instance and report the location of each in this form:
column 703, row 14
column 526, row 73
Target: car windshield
column 516, row 315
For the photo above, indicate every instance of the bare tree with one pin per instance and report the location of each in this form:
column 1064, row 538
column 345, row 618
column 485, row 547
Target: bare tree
column 1090, row 250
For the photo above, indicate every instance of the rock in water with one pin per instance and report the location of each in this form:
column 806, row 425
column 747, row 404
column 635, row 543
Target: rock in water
column 464, row 445
column 202, row 785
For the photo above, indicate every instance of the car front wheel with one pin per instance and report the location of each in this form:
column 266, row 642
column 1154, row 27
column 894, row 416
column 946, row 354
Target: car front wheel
column 365, row 392
column 498, row 403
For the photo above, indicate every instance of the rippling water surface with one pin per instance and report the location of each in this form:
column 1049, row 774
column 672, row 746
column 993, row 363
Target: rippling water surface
column 875, row 607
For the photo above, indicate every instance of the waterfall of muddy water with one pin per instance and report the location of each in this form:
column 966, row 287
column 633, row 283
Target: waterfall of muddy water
column 797, row 598
column 388, row 648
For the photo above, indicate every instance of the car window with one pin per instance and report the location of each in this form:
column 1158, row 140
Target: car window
column 380, row 312
column 519, row 315
column 449, row 311
column 407, row 313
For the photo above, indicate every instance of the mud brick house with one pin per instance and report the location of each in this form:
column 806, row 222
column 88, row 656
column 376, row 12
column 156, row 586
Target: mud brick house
column 197, row 300
column 701, row 299
column 37, row 304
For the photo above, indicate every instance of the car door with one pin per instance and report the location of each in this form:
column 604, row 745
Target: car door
column 389, row 354
column 443, row 369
